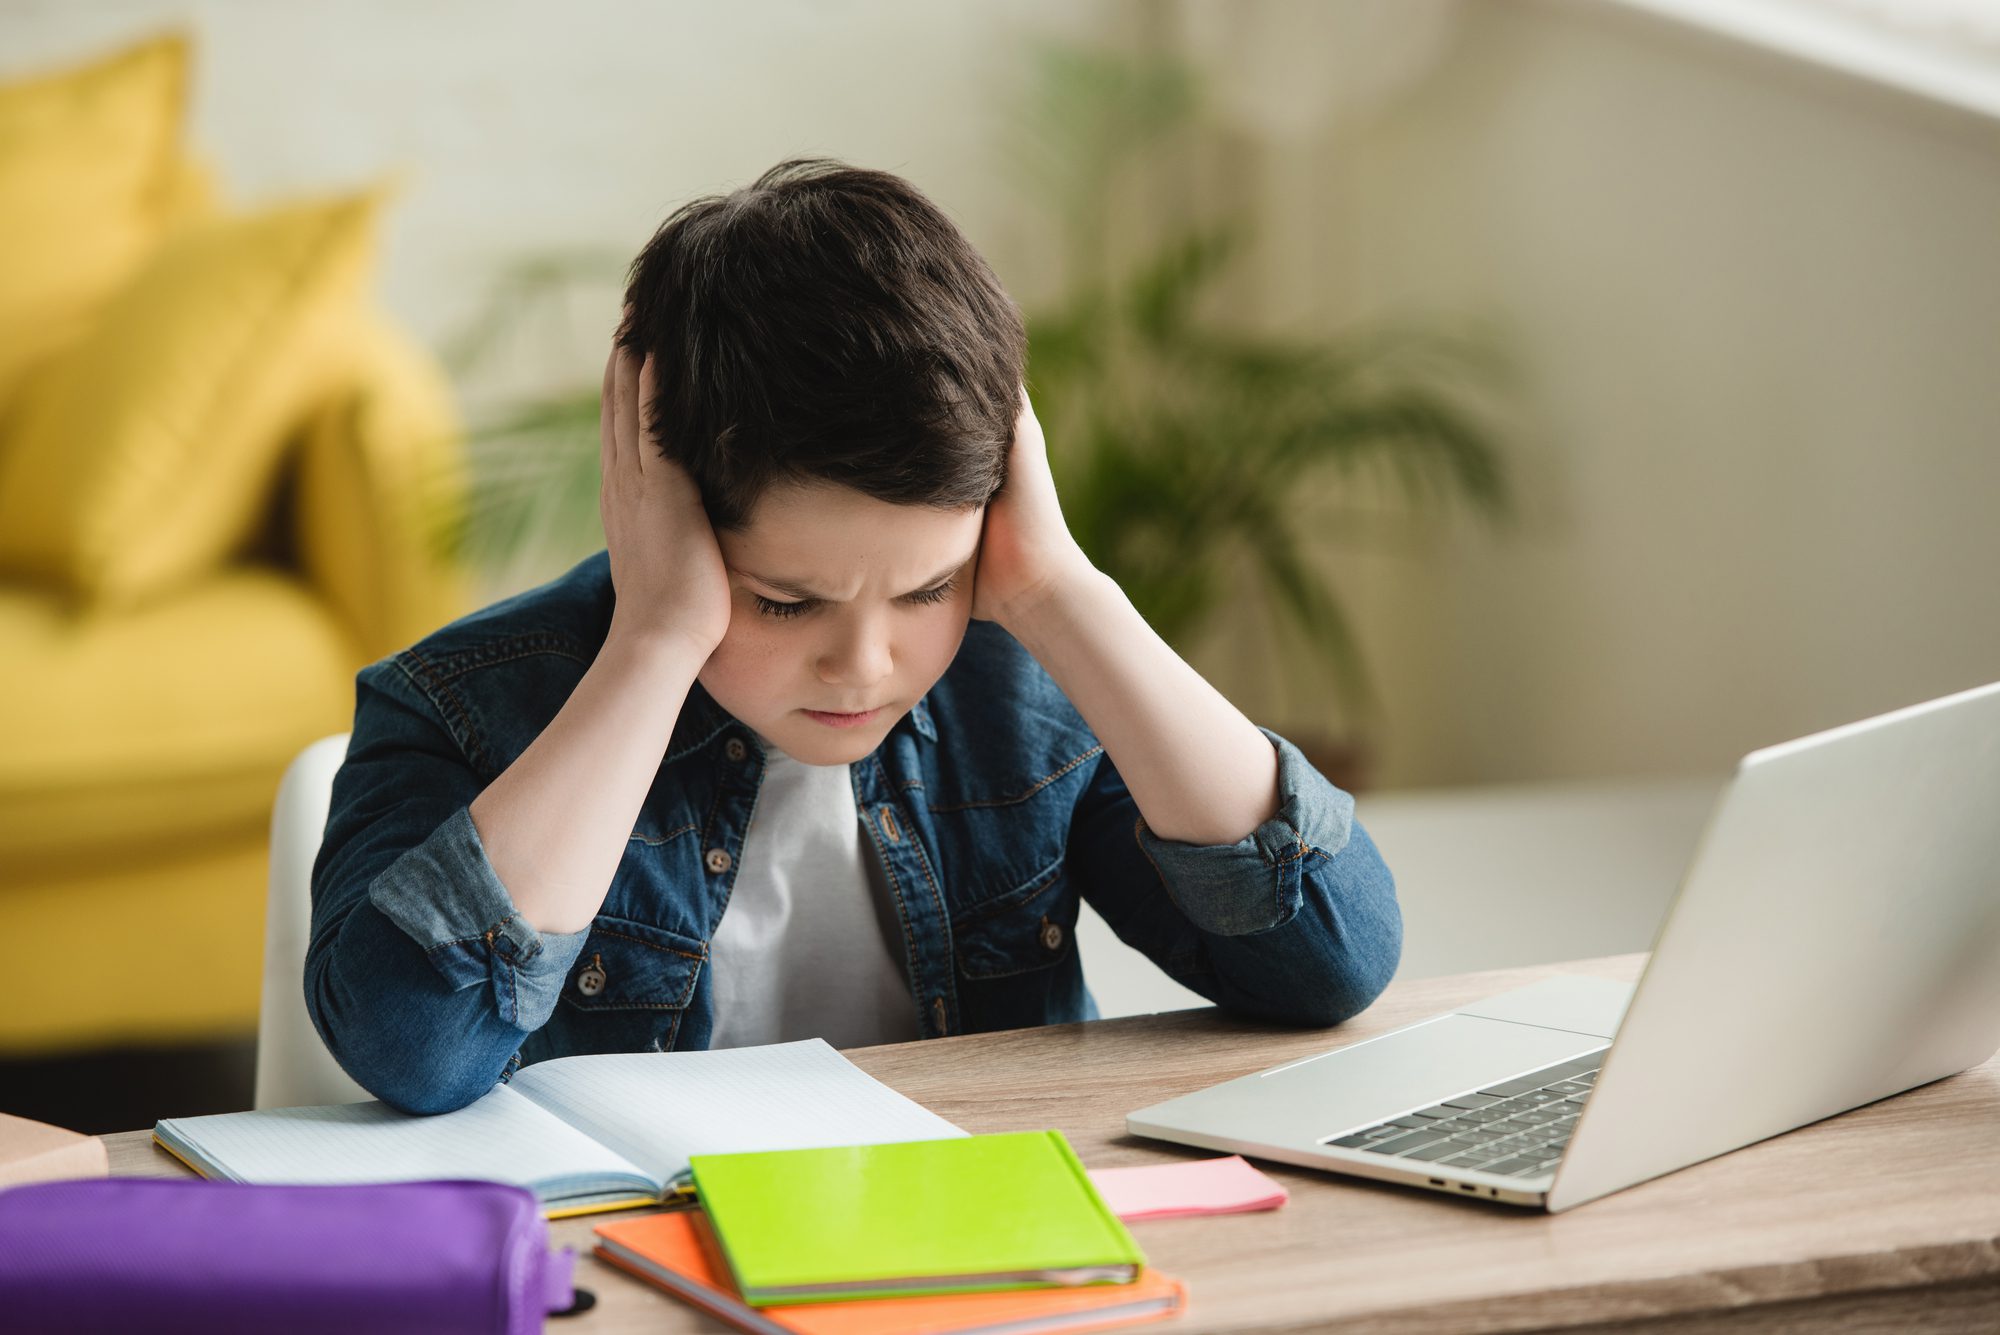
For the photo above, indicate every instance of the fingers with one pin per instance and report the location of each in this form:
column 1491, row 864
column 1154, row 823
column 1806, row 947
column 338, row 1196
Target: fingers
column 624, row 409
column 1027, row 428
column 648, row 444
column 607, row 436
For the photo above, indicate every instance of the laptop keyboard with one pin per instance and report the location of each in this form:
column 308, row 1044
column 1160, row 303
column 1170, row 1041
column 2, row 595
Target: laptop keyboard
column 1517, row 1128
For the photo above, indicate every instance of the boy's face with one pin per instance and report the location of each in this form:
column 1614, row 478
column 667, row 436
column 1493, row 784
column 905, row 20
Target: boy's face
column 839, row 603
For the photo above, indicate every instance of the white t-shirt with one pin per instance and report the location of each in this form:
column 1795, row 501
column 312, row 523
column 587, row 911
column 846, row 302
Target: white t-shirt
column 809, row 944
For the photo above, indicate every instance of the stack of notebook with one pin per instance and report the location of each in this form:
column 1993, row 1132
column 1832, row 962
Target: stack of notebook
column 980, row 1233
column 583, row 1133
column 869, row 1214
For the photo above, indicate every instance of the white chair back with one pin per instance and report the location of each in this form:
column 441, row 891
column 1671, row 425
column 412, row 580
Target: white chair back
column 294, row 1069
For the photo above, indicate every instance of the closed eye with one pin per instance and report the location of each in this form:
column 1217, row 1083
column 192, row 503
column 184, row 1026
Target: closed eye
column 937, row 593
column 770, row 607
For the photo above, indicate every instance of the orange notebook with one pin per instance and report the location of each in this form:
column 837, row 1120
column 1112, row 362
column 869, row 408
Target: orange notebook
column 670, row 1250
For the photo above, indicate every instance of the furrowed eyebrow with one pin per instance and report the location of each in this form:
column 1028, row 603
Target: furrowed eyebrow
column 798, row 590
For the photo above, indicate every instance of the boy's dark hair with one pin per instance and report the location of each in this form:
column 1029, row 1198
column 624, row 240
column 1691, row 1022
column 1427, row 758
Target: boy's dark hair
column 826, row 322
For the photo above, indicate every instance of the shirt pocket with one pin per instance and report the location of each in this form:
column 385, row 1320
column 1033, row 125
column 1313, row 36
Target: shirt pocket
column 629, row 988
column 1035, row 931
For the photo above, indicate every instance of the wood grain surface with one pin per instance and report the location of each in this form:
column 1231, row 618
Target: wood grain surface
column 1884, row 1219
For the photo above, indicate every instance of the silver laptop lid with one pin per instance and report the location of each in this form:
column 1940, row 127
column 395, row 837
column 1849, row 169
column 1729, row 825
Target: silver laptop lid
column 1837, row 940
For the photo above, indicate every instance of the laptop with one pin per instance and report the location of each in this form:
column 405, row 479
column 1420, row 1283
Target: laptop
column 1835, row 941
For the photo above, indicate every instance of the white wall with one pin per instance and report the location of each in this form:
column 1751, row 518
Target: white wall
column 1755, row 307
column 526, row 127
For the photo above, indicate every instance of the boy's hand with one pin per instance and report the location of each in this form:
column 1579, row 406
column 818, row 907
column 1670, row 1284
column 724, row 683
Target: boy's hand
column 666, row 567
column 1026, row 551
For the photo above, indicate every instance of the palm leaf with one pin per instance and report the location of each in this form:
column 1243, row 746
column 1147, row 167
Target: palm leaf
column 1308, row 605
column 1429, row 447
column 1160, row 295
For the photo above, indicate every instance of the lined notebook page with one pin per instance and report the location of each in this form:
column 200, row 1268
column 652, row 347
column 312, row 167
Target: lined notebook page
column 657, row 1108
column 502, row 1137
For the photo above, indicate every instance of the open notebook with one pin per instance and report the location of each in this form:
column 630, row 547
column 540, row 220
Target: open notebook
column 583, row 1133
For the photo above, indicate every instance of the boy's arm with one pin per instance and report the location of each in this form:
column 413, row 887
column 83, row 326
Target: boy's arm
column 420, row 974
column 1200, row 771
column 1297, row 923
column 555, row 821
column 447, row 911
column 1242, row 834
column 1260, row 892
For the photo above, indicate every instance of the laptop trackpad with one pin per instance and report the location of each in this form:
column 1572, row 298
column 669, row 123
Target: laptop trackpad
column 1372, row 1081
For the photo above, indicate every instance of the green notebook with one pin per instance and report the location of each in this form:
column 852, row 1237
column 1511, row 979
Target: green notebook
column 927, row 1216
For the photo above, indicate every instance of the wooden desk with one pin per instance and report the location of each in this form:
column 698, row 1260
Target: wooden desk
column 1885, row 1219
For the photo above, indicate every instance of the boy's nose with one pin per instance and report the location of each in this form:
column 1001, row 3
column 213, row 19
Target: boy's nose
column 857, row 660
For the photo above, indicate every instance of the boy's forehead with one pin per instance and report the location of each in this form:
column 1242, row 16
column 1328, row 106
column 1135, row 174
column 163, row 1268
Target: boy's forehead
column 825, row 534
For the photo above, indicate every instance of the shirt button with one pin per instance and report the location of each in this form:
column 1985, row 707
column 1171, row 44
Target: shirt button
column 718, row 860
column 591, row 981
column 1052, row 935
column 735, row 750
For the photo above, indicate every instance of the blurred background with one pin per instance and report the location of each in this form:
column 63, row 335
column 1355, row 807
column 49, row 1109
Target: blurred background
column 1528, row 405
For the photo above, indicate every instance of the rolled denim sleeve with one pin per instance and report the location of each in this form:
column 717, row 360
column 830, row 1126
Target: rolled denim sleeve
column 1296, row 922
column 421, row 976
column 444, row 894
column 1257, row 883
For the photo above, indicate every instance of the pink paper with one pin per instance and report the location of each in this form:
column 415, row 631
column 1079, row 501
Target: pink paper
column 1201, row 1186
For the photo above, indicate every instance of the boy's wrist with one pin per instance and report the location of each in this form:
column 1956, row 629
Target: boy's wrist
column 1054, row 605
column 655, row 651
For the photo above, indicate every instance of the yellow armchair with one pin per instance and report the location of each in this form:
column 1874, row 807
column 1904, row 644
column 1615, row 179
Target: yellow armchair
column 144, row 745
column 216, row 467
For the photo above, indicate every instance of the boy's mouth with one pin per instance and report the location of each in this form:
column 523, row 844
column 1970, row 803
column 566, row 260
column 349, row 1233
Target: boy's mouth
column 841, row 720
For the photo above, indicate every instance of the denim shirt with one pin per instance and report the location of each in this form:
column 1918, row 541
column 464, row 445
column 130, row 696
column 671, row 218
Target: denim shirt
column 992, row 808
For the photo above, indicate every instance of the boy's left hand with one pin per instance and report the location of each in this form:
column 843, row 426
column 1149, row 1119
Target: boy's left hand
column 1026, row 551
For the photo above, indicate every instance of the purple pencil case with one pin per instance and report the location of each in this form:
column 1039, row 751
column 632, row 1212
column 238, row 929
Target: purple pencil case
column 157, row 1254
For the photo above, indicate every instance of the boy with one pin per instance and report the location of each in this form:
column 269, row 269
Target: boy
column 833, row 736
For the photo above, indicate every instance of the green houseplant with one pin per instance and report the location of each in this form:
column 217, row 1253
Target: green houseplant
column 1181, row 447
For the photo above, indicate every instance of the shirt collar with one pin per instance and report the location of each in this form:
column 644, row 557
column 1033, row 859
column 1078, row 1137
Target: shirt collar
column 700, row 721
column 919, row 718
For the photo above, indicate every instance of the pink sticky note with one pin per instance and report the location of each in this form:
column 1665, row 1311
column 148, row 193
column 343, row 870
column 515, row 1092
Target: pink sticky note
column 1201, row 1186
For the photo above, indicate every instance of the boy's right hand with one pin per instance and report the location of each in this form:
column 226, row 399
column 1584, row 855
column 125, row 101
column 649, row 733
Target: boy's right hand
column 666, row 567
column 556, row 822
